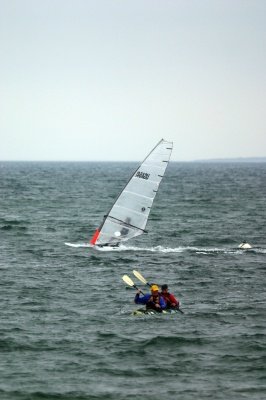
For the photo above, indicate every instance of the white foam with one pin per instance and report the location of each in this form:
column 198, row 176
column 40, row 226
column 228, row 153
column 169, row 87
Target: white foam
column 164, row 249
column 78, row 244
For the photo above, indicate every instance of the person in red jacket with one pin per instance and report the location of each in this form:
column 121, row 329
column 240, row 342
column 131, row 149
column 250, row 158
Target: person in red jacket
column 169, row 298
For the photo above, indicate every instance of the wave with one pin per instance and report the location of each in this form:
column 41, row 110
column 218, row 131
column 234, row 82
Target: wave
column 165, row 249
column 78, row 244
column 50, row 395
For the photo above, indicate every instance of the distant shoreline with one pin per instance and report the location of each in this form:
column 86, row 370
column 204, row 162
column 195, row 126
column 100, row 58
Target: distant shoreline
column 239, row 159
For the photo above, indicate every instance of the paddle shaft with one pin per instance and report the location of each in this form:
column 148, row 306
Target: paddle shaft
column 134, row 286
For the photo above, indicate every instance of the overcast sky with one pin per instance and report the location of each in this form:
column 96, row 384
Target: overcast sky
column 107, row 79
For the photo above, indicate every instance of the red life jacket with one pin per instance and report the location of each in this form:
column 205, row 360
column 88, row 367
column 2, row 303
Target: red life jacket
column 170, row 299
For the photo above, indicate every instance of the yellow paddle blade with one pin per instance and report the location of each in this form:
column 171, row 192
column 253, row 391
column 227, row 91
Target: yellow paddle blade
column 128, row 280
column 140, row 277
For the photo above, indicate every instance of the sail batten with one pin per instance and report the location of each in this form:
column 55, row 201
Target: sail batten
column 129, row 209
column 129, row 225
column 129, row 214
column 139, row 195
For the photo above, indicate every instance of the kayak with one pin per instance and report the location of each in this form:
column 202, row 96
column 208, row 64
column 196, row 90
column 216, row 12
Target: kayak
column 144, row 311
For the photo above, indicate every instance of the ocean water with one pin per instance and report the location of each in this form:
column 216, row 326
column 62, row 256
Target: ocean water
column 66, row 328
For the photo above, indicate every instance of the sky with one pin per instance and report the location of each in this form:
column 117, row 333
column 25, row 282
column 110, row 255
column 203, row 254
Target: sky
column 86, row 80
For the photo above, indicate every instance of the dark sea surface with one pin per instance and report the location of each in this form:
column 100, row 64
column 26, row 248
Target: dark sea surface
column 66, row 329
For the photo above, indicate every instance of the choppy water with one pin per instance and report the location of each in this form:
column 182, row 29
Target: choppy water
column 66, row 330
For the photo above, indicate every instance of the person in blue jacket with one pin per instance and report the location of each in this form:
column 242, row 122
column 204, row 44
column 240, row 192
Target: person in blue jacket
column 152, row 301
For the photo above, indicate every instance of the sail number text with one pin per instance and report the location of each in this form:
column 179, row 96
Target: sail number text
column 142, row 175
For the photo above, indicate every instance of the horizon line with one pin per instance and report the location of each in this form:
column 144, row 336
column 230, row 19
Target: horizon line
column 228, row 159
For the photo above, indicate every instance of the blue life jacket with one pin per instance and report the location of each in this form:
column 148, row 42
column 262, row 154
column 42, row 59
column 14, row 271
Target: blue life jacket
column 148, row 300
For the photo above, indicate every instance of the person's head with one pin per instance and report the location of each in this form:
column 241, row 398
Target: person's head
column 164, row 288
column 154, row 290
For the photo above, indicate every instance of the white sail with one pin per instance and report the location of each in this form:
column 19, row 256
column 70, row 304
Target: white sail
column 129, row 214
